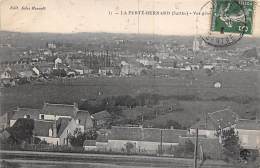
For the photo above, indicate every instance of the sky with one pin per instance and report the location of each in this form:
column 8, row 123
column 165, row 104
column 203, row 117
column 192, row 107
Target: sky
column 72, row 16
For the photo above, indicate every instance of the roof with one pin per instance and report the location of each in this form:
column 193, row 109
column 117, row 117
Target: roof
column 59, row 109
column 126, row 133
column 41, row 127
column 172, row 135
column 101, row 115
column 61, row 124
column 248, row 124
column 223, row 118
column 21, row 112
column 146, row 134
column 84, row 117
column 168, row 135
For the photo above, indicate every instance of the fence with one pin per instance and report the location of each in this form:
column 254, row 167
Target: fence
column 41, row 148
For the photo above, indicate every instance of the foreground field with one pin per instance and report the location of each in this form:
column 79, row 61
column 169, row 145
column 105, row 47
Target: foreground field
column 24, row 159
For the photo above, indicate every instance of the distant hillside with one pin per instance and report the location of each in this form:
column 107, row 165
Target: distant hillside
column 21, row 41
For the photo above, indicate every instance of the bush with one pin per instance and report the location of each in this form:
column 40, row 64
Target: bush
column 78, row 137
column 129, row 146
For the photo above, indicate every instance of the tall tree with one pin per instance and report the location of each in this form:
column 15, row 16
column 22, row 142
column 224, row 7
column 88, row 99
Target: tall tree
column 230, row 142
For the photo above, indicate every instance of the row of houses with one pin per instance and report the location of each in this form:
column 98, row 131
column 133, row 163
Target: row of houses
column 54, row 122
column 155, row 140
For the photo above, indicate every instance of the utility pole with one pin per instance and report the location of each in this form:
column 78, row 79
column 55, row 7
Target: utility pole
column 161, row 148
column 206, row 119
column 196, row 149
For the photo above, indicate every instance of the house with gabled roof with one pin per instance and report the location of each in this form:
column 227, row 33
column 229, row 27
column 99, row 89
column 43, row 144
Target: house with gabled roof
column 58, row 119
column 218, row 120
column 54, row 132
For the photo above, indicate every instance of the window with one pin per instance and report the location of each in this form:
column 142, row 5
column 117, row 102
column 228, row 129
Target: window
column 50, row 132
column 42, row 117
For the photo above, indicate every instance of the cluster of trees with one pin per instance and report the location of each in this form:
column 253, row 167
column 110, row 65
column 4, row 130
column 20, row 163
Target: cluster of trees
column 232, row 149
column 238, row 99
column 109, row 103
column 230, row 142
column 21, row 131
column 143, row 99
column 114, row 106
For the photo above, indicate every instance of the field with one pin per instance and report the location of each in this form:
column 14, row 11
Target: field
column 236, row 86
column 25, row 159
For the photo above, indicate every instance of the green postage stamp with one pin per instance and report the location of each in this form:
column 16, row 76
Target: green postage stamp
column 232, row 16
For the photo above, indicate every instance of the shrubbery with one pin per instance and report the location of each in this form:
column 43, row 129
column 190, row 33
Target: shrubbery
column 78, row 137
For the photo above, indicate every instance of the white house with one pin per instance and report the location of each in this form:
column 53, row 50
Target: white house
column 249, row 133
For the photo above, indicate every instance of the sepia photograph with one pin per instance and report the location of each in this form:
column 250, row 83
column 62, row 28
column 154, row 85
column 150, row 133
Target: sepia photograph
column 129, row 84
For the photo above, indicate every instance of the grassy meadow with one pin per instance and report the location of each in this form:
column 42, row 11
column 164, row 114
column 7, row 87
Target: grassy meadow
column 236, row 86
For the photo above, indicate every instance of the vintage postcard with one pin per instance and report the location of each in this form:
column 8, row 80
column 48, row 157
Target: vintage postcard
column 130, row 83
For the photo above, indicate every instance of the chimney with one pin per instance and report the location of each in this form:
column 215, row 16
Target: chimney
column 54, row 130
